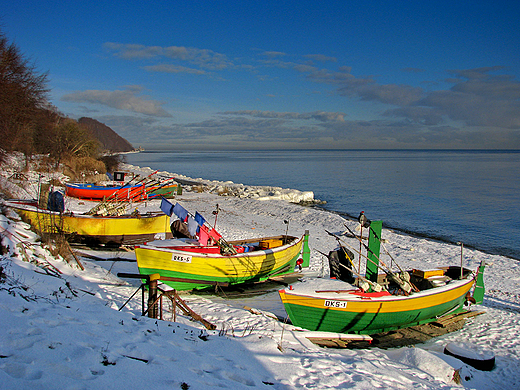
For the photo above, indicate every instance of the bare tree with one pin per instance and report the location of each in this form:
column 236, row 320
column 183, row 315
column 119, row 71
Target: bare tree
column 71, row 140
column 23, row 95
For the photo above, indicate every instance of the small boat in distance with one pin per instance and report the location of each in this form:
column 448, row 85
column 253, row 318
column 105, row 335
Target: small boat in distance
column 127, row 192
column 88, row 191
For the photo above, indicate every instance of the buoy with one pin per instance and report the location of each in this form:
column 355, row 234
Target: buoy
column 472, row 355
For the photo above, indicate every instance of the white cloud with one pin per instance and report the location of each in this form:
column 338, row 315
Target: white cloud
column 203, row 58
column 122, row 100
column 168, row 68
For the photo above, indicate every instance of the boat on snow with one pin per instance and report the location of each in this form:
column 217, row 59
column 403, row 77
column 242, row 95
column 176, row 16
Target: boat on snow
column 378, row 302
column 126, row 229
column 127, row 192
column 187, row 265
column 90, row 191
column 166, row 190
column 207, row 260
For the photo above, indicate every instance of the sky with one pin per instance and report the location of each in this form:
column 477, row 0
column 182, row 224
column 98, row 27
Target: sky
column 198, row 75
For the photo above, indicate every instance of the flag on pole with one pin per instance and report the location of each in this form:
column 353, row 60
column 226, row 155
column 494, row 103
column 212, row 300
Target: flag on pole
column 180, row 212
column 200, row 220
column 166, row 207
column 192, row 226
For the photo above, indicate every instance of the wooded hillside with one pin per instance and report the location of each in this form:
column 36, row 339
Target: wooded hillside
column 108, row 138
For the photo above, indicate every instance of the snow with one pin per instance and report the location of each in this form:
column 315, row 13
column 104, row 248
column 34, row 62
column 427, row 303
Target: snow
column 61, row 327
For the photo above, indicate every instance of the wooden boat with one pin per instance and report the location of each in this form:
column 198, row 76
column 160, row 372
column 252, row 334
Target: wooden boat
column 115, row 230
column 187, row 265
column 334, row 305
column 116, row 193
column 166, row 191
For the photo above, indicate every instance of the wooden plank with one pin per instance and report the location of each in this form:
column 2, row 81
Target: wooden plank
column 456, row 318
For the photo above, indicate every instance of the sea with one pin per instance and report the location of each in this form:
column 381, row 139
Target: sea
column 470, row 197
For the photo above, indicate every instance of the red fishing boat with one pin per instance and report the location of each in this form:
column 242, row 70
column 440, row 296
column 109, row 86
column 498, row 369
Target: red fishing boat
column 116, row 193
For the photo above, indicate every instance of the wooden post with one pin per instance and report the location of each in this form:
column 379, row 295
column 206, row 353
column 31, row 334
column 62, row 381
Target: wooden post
column 160, row 300
column 174, row 302
column 152, row 295
column 360, row 246
column 461, row 261
column 142, row 299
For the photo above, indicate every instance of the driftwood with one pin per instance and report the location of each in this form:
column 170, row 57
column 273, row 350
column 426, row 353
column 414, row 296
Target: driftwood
column 74, row 255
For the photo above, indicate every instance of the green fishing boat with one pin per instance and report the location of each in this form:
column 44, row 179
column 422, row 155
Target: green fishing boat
column 377, row 303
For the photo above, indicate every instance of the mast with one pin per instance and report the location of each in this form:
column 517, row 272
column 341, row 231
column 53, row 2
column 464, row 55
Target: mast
column 374, row 246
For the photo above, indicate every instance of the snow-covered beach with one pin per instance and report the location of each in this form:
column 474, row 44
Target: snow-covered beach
column 61, row 327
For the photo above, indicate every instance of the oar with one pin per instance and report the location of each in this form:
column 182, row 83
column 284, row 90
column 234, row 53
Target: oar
column 393, row 260
column 369, row 250
column 134, row 187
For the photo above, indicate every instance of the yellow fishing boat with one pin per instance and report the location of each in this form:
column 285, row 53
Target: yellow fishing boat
column 93, row 229
column 343, row 308
column 186, row 265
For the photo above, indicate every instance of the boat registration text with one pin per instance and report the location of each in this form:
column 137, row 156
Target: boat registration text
column 338, row 304
column 181, row 258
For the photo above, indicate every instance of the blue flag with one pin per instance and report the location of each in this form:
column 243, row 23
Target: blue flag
column 180, row 212
column 199, row 218
column 166, row 207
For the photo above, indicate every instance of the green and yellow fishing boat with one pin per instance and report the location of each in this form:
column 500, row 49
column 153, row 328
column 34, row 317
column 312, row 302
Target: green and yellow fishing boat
column 376, row 302
column 187, row 265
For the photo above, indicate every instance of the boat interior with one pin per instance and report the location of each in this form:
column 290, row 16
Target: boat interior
column 240, row 246
column 341, row 268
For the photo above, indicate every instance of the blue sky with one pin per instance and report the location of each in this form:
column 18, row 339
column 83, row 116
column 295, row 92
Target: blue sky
column 284, row 74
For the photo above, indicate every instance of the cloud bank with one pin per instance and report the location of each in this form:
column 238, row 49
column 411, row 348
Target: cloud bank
column 468, row 108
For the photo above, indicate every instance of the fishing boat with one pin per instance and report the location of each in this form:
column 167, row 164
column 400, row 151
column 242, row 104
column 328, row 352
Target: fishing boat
column 127, row 229
column 186, row 264
column 109, row 192
column 377, row 303
column 207, row 260
column 166, row 190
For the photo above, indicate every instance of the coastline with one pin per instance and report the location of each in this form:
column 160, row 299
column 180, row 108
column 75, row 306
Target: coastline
column 303, row 198
column 244, row 338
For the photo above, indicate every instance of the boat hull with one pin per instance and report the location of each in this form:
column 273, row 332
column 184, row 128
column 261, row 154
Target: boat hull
column 117, row 230
column 93, row 192
column 195, row 270
column 349, row 313
column 167, row 191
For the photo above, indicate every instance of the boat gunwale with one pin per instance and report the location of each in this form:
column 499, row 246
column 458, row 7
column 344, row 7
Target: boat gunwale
column 255, row 253
column 70, row 214
column 452, row 285
column 101, row 188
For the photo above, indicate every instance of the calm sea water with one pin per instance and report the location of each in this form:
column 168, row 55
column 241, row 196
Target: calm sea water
column 457, row 196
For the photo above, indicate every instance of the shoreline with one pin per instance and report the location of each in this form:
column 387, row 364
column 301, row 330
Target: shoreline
column 424, row 235
column 229, row 188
